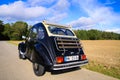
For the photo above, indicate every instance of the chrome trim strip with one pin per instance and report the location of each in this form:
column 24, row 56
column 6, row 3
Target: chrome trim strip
column 69, row 65
column 65, row 64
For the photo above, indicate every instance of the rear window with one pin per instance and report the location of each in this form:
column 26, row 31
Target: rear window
column 60, row 31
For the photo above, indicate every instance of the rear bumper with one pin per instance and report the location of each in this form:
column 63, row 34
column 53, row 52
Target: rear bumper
column 69, row 65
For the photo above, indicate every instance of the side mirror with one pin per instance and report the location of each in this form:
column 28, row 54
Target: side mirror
column 23, row 37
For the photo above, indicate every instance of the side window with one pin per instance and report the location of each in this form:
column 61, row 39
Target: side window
column 60, row 32
column 68, row 32
column 41, row 33
column 33, row 33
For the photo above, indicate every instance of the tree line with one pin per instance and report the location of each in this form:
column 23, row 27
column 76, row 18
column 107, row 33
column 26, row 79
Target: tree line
column 96, row 35
column 14, row 31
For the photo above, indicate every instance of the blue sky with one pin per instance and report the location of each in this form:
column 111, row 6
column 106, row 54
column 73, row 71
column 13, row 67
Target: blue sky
column 81, row 14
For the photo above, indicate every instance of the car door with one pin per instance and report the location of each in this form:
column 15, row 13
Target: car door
column 31, row 41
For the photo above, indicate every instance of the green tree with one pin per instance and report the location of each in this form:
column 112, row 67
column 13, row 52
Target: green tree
column 1, row 22
column 83, row 34
column 1, row 30
column 94, row 34
column 6, row 31
column 18, row 29
column 1, row 26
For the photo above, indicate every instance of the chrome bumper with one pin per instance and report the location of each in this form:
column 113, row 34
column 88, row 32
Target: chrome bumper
column 69, row 65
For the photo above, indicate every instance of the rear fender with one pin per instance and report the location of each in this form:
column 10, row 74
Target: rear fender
column 40, row 50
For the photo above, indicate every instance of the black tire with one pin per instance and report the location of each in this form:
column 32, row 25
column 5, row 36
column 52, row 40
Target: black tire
column 21, row 56
column 39, row 69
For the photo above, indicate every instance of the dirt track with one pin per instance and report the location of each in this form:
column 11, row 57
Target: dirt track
column 12, row 68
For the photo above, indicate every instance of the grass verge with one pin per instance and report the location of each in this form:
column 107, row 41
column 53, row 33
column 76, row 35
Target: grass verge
column 14, row 42
column 110, row 71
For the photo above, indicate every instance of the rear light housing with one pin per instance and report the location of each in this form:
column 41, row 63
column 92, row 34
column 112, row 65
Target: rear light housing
column 59, row 59
column 83, row 57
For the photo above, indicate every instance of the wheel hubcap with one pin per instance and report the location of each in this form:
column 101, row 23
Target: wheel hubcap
column 36, row 66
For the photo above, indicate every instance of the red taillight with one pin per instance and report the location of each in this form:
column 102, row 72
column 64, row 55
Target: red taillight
column 59, row 59
column 83, row 57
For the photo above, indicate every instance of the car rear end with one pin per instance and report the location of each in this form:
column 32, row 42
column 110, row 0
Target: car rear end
column 69, row 53
column 67, row 48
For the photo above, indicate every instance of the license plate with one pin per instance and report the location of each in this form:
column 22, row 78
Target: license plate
column 71, row 58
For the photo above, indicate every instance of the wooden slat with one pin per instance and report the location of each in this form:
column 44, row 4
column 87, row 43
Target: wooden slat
column 68, row 44
column 66, row 40
column 69, row 47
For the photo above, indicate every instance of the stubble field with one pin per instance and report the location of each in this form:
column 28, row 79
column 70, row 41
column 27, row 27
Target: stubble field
column 103, row 55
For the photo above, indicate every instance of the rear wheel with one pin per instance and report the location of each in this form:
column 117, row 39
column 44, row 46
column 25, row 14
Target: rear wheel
column 39, row 69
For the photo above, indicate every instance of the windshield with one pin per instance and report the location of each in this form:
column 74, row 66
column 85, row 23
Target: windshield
column 60, row 31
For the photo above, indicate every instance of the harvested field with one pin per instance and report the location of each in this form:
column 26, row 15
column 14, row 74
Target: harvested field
column 103, row 54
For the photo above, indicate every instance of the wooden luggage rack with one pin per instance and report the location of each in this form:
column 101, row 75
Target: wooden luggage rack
column 67, row 43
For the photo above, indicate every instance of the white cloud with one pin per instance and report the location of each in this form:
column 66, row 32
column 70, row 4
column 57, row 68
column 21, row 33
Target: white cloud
column 83, row 23
column 40, row 2
column 59, row 11
column 109, row 2
column 34, row 10
column 61, row 6
column 18, row 10
column 12, row 9
column 113, row 30
column 57, row 18
column 96, row 14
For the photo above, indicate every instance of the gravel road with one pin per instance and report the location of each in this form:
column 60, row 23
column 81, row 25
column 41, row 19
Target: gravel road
column 12, row 68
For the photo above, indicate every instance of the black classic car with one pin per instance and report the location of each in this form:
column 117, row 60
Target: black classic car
column 52, row 47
